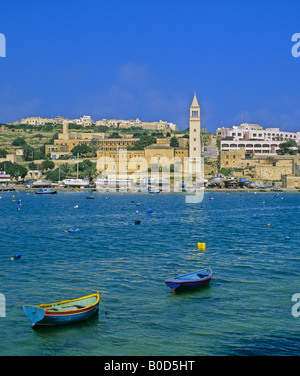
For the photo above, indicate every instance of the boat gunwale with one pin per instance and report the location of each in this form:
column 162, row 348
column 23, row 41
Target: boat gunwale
column 176, row 281
column 70, row 311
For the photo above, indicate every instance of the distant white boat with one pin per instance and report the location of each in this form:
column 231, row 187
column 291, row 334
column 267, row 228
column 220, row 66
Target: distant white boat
column 75, row 182
column 42, row 184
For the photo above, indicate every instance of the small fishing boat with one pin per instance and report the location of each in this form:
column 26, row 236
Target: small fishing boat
column 45, row 191
column 190, row 280
column 89, row 197
column 154, row 191
column 65, row 312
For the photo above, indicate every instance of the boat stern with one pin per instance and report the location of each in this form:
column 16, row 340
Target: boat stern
column 35, row 314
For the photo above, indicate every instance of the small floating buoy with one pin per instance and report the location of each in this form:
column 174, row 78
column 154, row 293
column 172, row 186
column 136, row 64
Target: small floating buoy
column 16, row 257
column 76, row 206
column 268, row 225
column 201, row 246
column 286, row 238
column 138, row 204
column 264, row 202
column 149, row 211
column 210, row 198
column 137, row 222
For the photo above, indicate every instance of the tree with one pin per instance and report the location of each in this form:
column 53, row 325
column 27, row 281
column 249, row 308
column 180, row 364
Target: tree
column 28, row 152
column 114, row 135
column 81, row 150
column 143, row 142
column 174, row 143
column 87, row 169
column 32, row 166
column 19, row 141
column 59, row 173
column 3, row 153
column 47, row 165
column 288, row 147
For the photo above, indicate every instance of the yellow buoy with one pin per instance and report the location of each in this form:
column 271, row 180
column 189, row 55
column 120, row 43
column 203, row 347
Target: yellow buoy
column 201, row 246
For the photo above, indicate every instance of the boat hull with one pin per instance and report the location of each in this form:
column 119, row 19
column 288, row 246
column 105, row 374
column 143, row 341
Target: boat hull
column 46, row 193
column 191, row 280
column 63, row 319
column 46, row 315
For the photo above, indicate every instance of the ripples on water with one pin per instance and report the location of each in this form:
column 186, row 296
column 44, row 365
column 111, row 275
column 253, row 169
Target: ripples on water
column 246, row 310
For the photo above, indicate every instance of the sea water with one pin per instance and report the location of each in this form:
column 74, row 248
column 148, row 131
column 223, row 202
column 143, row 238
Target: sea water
column 245, row 310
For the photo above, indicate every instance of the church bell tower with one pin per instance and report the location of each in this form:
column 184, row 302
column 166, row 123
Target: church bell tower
column 194, row 137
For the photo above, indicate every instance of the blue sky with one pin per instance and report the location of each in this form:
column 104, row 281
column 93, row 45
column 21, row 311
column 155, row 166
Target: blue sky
column 128, row 59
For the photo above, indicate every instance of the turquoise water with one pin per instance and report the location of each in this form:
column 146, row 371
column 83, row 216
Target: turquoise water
column 246, row 309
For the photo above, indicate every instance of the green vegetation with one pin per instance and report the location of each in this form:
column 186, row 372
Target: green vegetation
column 13, row 169
column 30, row 153
column 3, row 153
column 47, row 165
column 82, row 150
column 289, row 147
column 143, row 142
column 86, row 169
column 174, row 143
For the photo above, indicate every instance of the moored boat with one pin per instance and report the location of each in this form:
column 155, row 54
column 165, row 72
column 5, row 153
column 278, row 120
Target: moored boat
column 45, row 191
column 72, row 183
column 64, row 312
column 216, row 180
column 190, row 280
column 154, row 191
column 230, row 182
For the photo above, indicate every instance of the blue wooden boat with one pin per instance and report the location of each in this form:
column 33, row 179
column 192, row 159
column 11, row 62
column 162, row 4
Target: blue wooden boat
column 45, row 191
column 65, row 312
column 190, row 280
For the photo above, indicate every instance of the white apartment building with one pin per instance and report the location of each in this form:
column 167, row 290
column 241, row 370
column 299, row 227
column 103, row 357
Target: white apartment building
column 85, row 120
column 248, row 132
column 254, row 138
